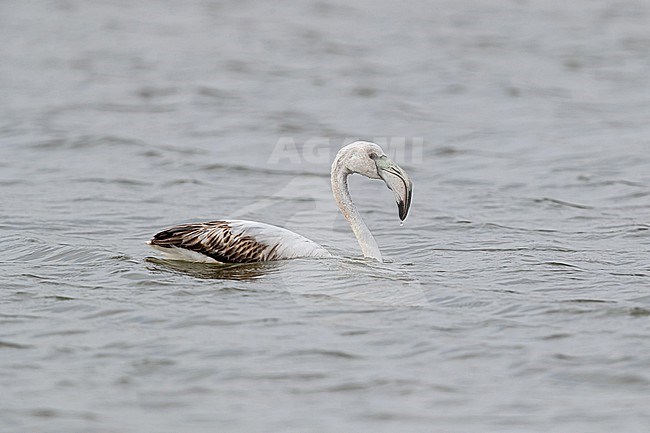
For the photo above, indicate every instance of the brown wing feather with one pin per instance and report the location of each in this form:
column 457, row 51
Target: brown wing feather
column 215, row 239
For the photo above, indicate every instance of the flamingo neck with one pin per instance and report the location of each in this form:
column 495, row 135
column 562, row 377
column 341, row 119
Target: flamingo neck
column 342, row 197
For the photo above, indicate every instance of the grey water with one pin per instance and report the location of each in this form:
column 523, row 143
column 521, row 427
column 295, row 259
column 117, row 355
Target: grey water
column 515, row 297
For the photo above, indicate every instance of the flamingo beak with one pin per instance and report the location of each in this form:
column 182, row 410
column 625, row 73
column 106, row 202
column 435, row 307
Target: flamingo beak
column 397, row 181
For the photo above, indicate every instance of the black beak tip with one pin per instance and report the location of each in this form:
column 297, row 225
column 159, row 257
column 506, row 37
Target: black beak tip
column 403, row 211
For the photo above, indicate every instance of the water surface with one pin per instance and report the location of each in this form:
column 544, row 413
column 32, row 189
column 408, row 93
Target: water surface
column 516, row 296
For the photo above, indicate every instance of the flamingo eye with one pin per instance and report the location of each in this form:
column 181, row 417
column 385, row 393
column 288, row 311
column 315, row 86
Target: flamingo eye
column 373, row 155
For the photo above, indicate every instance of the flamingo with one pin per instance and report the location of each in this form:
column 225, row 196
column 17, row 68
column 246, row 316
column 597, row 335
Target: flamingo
column 241, row 241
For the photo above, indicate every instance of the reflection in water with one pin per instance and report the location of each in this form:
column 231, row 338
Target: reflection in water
column 210, row 271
